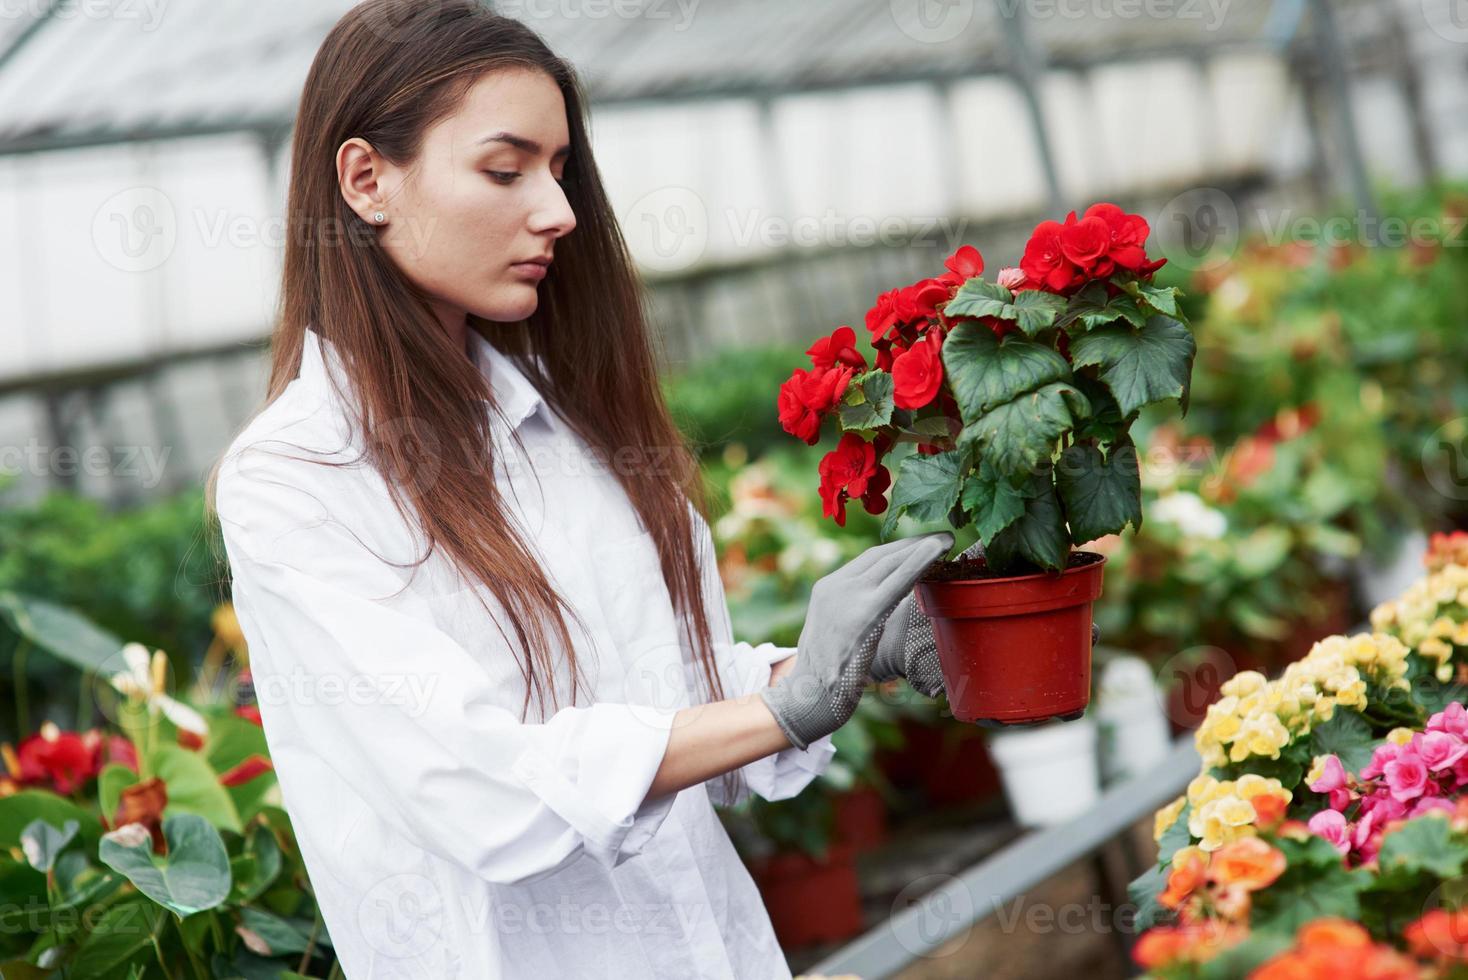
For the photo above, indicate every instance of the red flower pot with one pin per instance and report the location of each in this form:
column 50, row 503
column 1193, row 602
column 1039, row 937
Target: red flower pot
column 1016, row 650
column 811, row 901
column 861, row 818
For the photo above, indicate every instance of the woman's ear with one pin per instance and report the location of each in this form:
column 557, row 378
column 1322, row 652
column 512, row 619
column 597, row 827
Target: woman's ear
column 361, row 175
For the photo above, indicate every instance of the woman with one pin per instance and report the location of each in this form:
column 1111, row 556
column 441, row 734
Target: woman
column 489, row 641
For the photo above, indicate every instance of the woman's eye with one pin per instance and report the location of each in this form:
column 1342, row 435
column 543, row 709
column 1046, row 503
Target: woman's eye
column 503, row 177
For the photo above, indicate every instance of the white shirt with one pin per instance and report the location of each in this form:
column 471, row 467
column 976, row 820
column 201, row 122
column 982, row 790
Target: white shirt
column 444, row 837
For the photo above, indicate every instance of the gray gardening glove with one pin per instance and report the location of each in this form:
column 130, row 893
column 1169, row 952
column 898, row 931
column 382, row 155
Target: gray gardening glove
column 906, row 647
column 836, row 645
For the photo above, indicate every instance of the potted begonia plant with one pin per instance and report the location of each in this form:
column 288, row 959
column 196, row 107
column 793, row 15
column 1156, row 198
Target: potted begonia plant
column 1018, row 395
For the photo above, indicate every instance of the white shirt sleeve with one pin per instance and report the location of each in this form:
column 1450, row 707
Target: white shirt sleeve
column 454, row 769
column 745, row 668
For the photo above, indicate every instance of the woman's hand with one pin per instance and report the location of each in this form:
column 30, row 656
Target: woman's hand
column 847, row 610
column 907, row 648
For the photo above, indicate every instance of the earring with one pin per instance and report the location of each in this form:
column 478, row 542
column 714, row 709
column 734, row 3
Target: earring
column 379, row 217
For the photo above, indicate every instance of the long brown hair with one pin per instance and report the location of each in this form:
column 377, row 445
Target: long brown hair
column 386, row 76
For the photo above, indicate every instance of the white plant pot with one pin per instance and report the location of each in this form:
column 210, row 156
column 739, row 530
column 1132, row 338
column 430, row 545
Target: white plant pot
column 1049, row 772
column 1135, row 735
column 1378, row 583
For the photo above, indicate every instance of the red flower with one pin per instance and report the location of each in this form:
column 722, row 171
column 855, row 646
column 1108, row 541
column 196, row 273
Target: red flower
column 918, row 373
column 1063, row 257
column 851, row 470
column 249, row 712
column 806, row 398
column 839, row 347
column 1128, row 234
column 62, row 759
column 1086, row 244
column 962, row 265
column 1044, row 260
column 247, row 770
column 892, row 309
column 922, row 299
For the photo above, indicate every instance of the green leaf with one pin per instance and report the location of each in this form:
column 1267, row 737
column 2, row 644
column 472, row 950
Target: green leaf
column 1105, row 424
column 992, row 503
column 1035, row 310
column 1140, row 366
column 928, row 486
column 1424, row 843
column 1092, row 308
column 19, row 809
column 42, row 842
column 1346, row 735
column 1030, row 310
column 1315, row 883
column 868, row 401
column 192, row 877
column 114, row 778
column 125, row 930
column 1163, row 299
column 1038, row 536
column 1143, row 892
column 194, row 787
column 1176, row 837
column 979, row 298
column 279, row 934
column 1018, row 438
column 61, row 632
column 1102, row 495
column 985, row 372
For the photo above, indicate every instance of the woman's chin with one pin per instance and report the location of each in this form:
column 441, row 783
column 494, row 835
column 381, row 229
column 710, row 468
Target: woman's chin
column 514, row 304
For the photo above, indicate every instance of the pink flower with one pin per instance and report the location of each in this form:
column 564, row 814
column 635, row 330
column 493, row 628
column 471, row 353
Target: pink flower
column 1331, row 825
column 1453, row 719
column 1332, row 776
column 1012, row 278
column 1429, row 803
column 1438, row 750
column 1406, row 775
column 1383, row 754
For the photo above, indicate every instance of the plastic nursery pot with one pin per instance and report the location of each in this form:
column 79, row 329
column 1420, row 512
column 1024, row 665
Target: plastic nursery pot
column 1015, row 650
column 810, row 900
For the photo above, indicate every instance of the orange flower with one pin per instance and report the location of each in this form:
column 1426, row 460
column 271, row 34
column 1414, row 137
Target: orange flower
column 1248, row 862
column 1439, row 934
column 1332, row 933
column 1189, row 868
column 1162, row 946
column 1269, row 810
column 1341, row 950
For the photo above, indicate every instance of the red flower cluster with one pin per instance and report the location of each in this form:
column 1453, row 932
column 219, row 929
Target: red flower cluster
column 853, row 470
column 64, row 761
column 1061, row 258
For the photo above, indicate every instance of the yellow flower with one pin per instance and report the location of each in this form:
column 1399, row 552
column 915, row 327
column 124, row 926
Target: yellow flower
column 1399, row 736
column 1167, row 816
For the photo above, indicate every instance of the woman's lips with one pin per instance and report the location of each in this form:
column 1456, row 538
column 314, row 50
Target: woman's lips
column 531, row 270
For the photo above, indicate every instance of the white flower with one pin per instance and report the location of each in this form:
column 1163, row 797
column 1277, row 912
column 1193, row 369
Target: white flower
column 1188, row 512
column 143, row 680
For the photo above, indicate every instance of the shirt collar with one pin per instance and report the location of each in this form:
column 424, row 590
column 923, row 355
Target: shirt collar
column 516, row 396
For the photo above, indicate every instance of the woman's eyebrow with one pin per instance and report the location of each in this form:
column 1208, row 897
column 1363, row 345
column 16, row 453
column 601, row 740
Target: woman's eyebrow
column 524, row 143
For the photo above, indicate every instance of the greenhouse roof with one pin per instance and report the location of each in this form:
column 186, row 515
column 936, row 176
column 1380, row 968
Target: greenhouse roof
column 96, row 72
